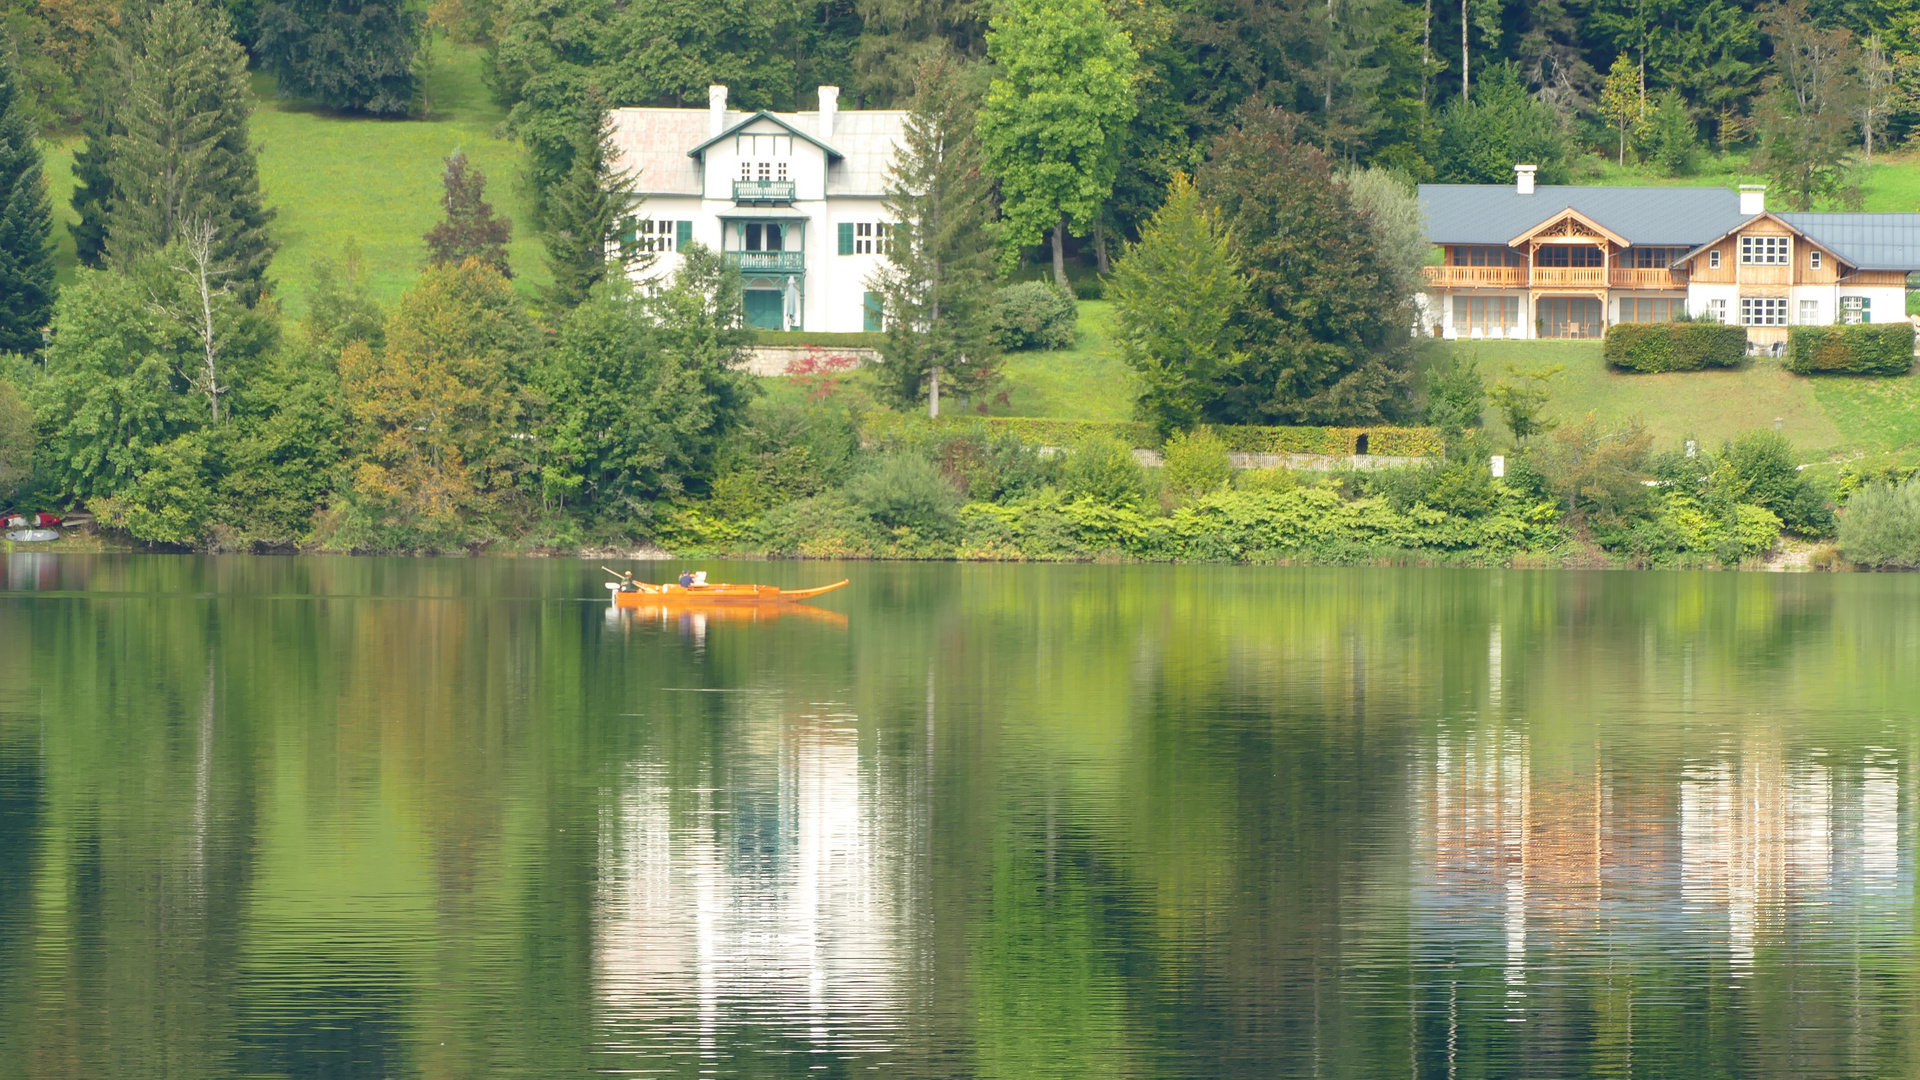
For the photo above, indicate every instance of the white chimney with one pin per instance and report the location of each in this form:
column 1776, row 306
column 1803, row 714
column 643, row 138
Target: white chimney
column 717, row 108
column 1753, row 199
column 1523, row 178
column 829, row 108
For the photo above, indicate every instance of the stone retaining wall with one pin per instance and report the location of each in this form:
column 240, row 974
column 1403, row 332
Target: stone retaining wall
column 774, row 359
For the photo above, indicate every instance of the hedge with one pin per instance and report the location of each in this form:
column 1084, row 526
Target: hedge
column 1673, row 346
column 1243, row 439
column 1864, row 349
column 825, row 341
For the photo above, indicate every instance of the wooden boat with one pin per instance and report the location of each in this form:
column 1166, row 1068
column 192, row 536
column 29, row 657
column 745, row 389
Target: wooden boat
column 650, row 595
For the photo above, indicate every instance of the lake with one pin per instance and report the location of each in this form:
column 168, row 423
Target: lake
column 335, row 817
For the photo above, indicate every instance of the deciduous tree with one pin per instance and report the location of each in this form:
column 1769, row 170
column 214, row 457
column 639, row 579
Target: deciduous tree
column 470, row 230
column 1623, row 103
column 1806, row 121
column 345, row 54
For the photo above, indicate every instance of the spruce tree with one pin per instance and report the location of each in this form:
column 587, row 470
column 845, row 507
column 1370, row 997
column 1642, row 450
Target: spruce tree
column 183, row 154
column 93, row 161
column 344, row 54
column 583, row 215
column 26, row 220
column 469, row 231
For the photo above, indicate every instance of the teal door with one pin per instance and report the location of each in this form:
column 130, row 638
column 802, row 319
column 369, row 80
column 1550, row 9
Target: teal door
column 763, row 309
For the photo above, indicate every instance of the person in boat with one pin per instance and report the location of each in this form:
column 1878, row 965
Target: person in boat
column 686, row 579
column 627, row 584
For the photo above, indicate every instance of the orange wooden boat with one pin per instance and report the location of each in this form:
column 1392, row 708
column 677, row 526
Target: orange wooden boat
column 650, row 595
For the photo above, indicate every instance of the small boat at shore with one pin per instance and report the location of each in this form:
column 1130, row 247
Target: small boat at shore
column 646, row 594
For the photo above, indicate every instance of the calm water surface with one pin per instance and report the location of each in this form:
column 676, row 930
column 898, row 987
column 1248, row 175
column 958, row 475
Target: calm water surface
column 456, row 818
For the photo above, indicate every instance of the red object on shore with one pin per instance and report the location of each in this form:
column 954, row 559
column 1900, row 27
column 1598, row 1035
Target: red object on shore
column 46, row 521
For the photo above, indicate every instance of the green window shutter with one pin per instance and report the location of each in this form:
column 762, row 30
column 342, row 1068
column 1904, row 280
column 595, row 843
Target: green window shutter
column 846, row 238
column 682, row 235
column 871, row 301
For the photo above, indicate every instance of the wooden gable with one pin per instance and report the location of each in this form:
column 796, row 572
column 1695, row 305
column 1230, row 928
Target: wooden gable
column 1569, row 226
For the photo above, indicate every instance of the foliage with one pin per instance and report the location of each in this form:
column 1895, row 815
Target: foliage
column 907, row 491
column 1176, row 295
column 1674, row 346
column 16, row 439
column 1763, row 473
column 469, row 230
column 583, row 215
column 1597, row 473
column 284, row 447
column 92, row 198
column 1391, row 207
column 934, row 284
column 1456, row 394
column 1481, row 140
column 183, row 153
column 1881, row 526
column 1196, row 463
column 1102, row 468
column 1521, row 397
column 431, row 416
column 1861, row 349
column 344, row 54
column 1806, row 118
column 1055, row 116
column 1240, row 439
column 1324, row 326
column 1671, row 135
column 26, row 220
column 1624, row 103
column 1033, row 315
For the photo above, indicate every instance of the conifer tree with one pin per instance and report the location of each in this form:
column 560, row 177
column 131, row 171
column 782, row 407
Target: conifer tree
column 183, row 153
column 934, row 286
column 345, row 54
column 469, row 231
column 26, row 220
column 93, row 161
column 583, row 215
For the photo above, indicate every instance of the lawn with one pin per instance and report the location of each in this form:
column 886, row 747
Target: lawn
column 341, row 181
column 1085, row 382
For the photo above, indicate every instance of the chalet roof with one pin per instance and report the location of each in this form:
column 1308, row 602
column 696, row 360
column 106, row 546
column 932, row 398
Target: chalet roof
column 1496, row 213
column 782, row 121
column 655, row 144
column 1865, row 241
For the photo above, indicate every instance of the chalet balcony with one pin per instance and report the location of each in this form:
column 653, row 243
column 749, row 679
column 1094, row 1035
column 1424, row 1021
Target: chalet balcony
column 1569, row 277
column 1657, row 279
column 1476, row 277
column 767, row 262
column 763, row 192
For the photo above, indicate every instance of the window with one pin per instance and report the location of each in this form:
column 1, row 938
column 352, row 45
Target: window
column 1654, row 258
column 1763, row 310
column 873, row 309
column 1716, row 309
column 1650, row 308
column 763, row 146
column 1485, row 316
column 1856, row 309
column 1763, row 251
column 1809, row 313
column 1483, row 255
column 866, row 238
column 1713, row 263
column 1813, row 260
column 645, row 235
column 759, row 236
column 1570, row 255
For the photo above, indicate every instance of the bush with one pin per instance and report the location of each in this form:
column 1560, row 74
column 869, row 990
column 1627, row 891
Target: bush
column 1102, row 468
column 1881, row 526
column 1673, row 346
column 1034, row 315
column 1762, row 465
column 1866, row 349
column 907, row 491
column 1196, row 463
column 889, row 428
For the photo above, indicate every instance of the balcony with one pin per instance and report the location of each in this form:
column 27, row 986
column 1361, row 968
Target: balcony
column 1569, row 277
column 1476, row 277
column 1656, row 279
column 767, row 262
column 763, row 192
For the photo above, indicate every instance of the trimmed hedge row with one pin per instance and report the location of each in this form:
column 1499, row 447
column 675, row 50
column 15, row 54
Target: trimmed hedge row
column 1673, row 346
column 1243, row 439
column 1864, row 349
column 825, row 341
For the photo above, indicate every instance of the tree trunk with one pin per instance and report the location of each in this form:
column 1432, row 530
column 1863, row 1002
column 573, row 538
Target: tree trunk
column 933, row 393
column 1060, row 252
column 1426, row 52
column 1464, row 84
column 1100, row 236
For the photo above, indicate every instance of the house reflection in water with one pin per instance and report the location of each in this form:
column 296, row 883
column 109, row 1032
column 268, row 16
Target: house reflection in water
column 761, row 915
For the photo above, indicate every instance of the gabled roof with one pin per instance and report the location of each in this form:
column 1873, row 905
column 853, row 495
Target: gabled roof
column 1864, row 241
column 654, row 144
column 1496, row 213
column 832, row 154
column 1569, row 214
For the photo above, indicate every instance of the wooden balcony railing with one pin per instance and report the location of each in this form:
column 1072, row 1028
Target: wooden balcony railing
column 1477, row 277
column 767, row 262
column 1648, row 279
column 763, row 192
column 1566, row 277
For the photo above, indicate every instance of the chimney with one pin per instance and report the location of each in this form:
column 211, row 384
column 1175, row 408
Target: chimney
column 717, row 108
column 1523, row 178
column 829, row 108
column 1753, row 199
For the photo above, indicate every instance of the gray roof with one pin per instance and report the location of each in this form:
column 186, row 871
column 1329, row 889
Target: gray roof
column 1496, row 213
column 1865, row 241
column 654, row 143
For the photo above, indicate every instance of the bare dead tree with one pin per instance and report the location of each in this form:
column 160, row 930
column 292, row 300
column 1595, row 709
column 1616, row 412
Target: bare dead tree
column 197, row 315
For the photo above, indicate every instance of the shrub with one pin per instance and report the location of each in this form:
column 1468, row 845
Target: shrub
column 1673, row 346
column 1034, row 315
column 1866, row 349
column 1196, row 463
column 1881, row 526
column 889, row 428
column 907, row 491
column 1102, row 468
column 1762, row 465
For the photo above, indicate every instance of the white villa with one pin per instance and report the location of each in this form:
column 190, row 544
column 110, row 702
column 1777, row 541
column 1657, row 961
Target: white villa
column 1567, row 262
column 794, row 199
